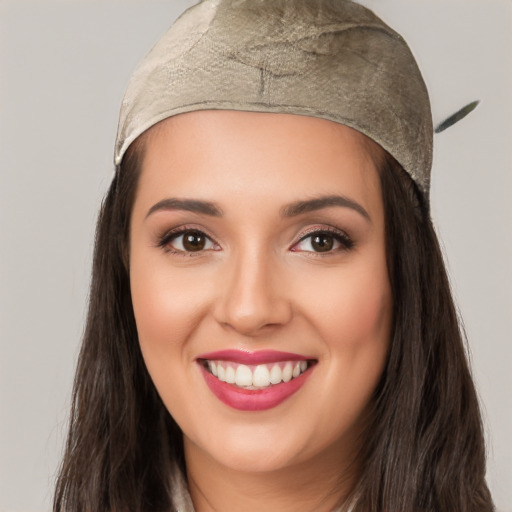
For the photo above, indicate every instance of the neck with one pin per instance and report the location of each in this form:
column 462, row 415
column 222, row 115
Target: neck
column 318, row 485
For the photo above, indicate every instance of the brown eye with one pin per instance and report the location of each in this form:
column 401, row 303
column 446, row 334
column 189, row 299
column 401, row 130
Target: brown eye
column 194, row 241
column 322, row 242
column 188, row 241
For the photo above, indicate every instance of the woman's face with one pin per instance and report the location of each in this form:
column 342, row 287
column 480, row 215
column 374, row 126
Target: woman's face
column 257, row 256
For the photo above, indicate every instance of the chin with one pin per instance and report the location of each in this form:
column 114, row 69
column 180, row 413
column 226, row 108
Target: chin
column 257, row 451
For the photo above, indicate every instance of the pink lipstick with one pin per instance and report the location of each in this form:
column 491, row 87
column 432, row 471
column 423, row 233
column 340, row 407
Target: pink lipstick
column 254, row 381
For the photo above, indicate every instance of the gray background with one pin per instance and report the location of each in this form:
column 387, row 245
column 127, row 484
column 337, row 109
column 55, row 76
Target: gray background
column 63, row 69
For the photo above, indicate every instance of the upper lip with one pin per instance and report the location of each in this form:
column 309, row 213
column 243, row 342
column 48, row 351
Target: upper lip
column 256, row 357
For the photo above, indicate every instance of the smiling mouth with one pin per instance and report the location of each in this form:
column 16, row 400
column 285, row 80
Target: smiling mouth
column 256, row 377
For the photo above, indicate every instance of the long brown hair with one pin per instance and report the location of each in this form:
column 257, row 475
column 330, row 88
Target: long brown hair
column 424, row 448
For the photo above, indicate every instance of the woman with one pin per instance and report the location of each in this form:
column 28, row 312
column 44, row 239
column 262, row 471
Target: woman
column 270, row 323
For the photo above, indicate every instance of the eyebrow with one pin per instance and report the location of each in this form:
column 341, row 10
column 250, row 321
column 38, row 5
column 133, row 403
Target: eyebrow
column 300, row 207
column 189, row 205
column 290, row 210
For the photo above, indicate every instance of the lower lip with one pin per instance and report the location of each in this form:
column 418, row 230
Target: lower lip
column 253, row 399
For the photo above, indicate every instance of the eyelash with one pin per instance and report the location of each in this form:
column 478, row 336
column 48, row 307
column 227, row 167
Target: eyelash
column 346, row 243
column 165, row 240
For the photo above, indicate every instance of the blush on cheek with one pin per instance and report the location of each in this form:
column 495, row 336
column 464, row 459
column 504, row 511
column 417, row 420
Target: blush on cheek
column 376, row 315
column 363, row 317
column 155, row 308
column 369, row 309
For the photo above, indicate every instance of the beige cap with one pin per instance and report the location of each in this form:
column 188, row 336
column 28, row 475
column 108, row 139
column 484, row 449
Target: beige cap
column 332, row 59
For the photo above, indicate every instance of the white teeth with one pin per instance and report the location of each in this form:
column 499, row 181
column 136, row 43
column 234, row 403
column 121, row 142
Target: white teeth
column 261, row 376
column 276, row 375
column 230, row 375
column 243, row 376
column 287, row 372
column 258, row 376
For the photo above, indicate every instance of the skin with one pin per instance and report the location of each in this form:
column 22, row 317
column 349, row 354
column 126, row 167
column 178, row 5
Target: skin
column 259, row 284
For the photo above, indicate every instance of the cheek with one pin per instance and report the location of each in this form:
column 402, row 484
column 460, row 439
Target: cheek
column 162, row 317
column 364, row 314
column 353, row 316
column 166, row 304
column 165, row 320
column 353, row 308
column 358, row 341
column 154, row 309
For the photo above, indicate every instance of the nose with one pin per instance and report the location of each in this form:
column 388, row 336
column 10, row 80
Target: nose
column 253, row 295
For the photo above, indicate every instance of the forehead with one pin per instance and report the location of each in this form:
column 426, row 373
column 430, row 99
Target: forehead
column 261, row 156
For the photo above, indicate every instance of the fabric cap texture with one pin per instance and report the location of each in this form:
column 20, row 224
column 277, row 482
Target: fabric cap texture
column 331, row 59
